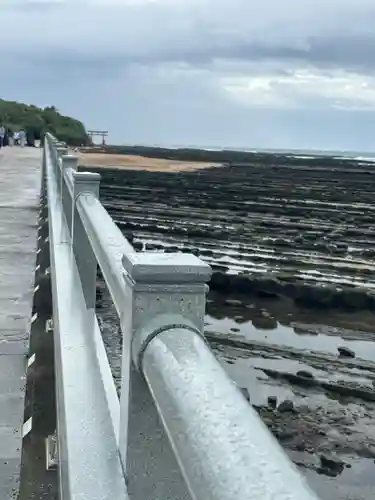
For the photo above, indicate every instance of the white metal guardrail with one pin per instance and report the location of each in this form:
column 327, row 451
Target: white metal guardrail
column 222, row 448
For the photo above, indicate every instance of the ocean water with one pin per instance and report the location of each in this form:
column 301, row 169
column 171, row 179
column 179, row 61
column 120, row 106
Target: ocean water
column 310, row 153
column 365, row 156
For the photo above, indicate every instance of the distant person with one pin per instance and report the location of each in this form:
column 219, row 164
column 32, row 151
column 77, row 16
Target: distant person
column 10, row 138
column 22, row 138
column 30, row 139
column 2, row 135
column 6, row 138
column 16, row 138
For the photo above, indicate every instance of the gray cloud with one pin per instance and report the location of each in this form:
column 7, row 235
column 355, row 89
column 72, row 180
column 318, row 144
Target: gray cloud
column 350, row 53
column 198, row 71
column 332, row 32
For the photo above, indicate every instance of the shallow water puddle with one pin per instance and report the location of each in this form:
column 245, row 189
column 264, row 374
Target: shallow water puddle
column 257, row 383
column 355, row 483
column 287, row 336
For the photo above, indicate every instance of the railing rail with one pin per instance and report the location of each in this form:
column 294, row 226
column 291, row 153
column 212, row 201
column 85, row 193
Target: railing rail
column 109, row 246
column 86, row 399
column 223, row 450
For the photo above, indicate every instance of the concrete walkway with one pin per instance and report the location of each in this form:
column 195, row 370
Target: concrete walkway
column 19, row 204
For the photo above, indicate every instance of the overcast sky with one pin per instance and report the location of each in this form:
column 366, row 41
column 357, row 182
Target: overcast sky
column 238, row 73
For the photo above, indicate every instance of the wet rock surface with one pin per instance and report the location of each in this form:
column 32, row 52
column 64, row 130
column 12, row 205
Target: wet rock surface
column 319, row 406
column 287, row 229
column 346, row 352
column 290, row 312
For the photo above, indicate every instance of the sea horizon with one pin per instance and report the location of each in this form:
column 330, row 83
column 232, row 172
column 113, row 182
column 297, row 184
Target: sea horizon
column 295, row 152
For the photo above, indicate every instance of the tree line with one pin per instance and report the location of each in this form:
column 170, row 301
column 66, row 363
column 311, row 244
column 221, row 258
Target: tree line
column 37, row 121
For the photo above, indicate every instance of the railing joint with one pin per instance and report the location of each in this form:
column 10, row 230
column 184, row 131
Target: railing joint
column 153, row 328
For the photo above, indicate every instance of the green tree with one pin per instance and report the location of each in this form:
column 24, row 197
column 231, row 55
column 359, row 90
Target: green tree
column 37, row 121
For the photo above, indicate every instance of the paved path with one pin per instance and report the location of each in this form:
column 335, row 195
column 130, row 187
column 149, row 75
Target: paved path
column 19, row 204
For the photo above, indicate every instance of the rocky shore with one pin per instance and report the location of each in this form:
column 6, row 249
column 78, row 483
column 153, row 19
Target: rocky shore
column 284, row 230
column 290, row 314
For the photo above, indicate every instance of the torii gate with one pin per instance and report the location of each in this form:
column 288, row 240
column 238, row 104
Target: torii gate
column 102, row 133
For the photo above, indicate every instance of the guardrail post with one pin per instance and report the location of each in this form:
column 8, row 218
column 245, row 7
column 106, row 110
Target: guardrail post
column 50, row 142
column 84, row 182
column 53, row 144
column 165, row 288
column 66, row 162
column 44, row 170
column 60, row 151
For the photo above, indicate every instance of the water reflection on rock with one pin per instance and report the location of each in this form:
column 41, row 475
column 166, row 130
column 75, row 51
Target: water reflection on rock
column 318, row 404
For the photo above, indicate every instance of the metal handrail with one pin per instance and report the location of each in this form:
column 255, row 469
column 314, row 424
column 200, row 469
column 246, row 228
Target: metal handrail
column 108, row 244
column 89, row 462
column 222, row 447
